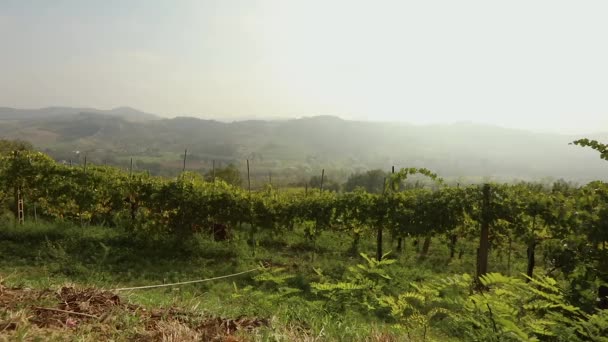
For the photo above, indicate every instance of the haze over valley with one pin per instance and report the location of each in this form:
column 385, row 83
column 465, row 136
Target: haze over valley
column 295, row 149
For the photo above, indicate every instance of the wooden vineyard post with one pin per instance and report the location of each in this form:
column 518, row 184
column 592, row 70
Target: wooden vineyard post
column 530, row 252
column 314, row 237
column 82, row 194
column 379, row 230
column 132, row 197
column 379, row 242
column 185, row 157
column 248, row 179
column 453, row 241
column 213, row 171
column 453, row 238
column 20, row 211
column 16, row 195
column 399, row 238
column 484, row 243
column 253, row 230
column 509, row 255
column 322, row 178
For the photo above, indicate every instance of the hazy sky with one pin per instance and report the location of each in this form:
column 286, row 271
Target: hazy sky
column 539, row 65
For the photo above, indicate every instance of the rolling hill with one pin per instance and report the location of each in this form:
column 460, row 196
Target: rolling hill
column 301, row 147
column 127, row 113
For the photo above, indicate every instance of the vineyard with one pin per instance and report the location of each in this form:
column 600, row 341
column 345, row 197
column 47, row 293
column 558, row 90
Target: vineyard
column 513, row 261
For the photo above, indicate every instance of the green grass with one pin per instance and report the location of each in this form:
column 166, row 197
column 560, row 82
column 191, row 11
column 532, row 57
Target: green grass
column 49, row 255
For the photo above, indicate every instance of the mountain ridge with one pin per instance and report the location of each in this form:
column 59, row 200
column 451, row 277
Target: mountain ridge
column 308, row 144
column 128, row 113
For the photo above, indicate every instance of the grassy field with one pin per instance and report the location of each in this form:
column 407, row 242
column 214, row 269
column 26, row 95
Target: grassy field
column 42, row 262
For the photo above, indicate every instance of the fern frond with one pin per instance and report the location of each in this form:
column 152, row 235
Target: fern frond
column 342, row 286
column 490, row 279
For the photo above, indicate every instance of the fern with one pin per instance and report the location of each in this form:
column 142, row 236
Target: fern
column 509, row 309
column 341, row 286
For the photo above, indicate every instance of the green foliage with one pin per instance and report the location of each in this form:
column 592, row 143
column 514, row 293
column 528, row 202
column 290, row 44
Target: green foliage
column 361, row 287
column 395, row 182
column 229, row 174
column 568, row 224
column 594, row 144
column 527, row 311
column 328, row 183
column 506, row 309
column 428, row 303
column 9, row 146
column 509, row 309
column 372, row 181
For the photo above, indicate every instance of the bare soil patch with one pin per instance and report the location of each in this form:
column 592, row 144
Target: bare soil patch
column 97, row 313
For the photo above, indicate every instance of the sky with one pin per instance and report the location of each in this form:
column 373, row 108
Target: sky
column 530, row 64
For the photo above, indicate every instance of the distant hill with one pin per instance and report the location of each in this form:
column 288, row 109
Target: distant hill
column 297, row 148
column 126, row 113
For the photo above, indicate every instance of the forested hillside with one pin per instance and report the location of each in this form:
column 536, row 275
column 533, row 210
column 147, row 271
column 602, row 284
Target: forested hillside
column 466, row 151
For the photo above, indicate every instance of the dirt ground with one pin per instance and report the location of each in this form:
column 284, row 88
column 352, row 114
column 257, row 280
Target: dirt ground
column 88, row 313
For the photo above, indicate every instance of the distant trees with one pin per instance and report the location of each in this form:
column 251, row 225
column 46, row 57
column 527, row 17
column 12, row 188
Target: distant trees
column 7, row 146
column 328, row 184
column 155, row 168
column 229, row 174
column 372, row 181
